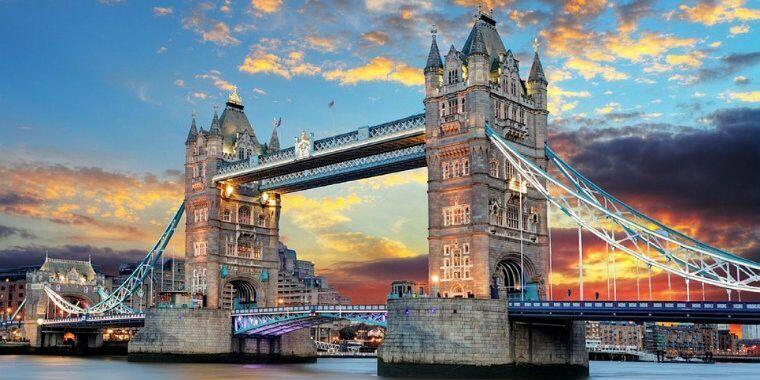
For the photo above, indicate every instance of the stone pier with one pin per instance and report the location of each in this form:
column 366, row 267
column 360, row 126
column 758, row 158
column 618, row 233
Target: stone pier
column 473, row 338
column 205, row 335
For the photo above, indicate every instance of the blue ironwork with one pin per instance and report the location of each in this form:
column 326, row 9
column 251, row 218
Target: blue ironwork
column 601, row 214
column 365, row 136
column 132, row 285
column 344, row 168
column 281, row 320
column 654, row 311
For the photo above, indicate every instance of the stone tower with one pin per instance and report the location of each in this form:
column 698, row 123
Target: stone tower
column 232, row 230
column 485, row 224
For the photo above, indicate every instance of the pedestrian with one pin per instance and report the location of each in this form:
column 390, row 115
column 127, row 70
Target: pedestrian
column 596, row 296
column 569, row 292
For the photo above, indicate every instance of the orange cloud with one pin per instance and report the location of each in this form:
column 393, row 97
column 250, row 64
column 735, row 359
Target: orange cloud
column 90, row 202
column 589, row 69
column 262, row 61
column 266, row 6
column 376, row 37
column 321, row 43
column 714, row 12
column 378, row 69
column 220, row 35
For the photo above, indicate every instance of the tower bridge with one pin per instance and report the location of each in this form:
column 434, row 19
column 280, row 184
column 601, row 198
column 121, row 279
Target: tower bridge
column 483, row 138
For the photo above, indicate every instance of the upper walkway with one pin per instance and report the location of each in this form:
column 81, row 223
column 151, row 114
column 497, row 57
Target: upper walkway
column 366, row 152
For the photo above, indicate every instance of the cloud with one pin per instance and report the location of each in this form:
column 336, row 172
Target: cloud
column 105, row 259
column 728, row 65
column 319, row 213
column 220, row 35
column 658, row 168
column 209, row 29
column 608, row 108
column 369, row 281
column 7, row 232
column 361, row 246
column 88, row 202
column 416, row 177
column 266, row 6
column 590, row 70
column 179, row 83
column 262, row 59
column 691, row 60
column 199, row 95
column 558, row 102
column 711, row 12
column 324, row 44
column 162, row 11
column 739, row 29
column 748, row 97
column 378, row 69
column 259, row 91
column 161, row 50
column 741, row 80
column 630, row 13
column 216, row 78
column 375, row 37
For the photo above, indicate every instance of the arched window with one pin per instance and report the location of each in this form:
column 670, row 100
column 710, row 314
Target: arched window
column 494, row 168
column 244, row 215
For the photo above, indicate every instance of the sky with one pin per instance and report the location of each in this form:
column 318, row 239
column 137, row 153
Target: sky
column 656, row 101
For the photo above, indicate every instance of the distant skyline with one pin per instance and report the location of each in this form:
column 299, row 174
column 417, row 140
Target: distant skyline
column 657, row 101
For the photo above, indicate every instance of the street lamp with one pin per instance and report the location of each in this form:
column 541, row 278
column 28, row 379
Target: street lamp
column 434, row 287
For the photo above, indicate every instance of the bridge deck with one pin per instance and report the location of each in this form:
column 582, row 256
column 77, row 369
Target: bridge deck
column 345, row 151
column 278, row 320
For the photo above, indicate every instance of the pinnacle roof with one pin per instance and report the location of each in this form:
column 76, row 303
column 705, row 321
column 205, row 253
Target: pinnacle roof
column 537, row 71
column 434, row 57
column 489, row 37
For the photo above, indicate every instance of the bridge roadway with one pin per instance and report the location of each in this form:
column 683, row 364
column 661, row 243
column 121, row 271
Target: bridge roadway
column 366, row 152
column 281, row 320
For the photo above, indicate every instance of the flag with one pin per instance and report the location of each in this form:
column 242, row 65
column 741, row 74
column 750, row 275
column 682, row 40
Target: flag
column 331, row 104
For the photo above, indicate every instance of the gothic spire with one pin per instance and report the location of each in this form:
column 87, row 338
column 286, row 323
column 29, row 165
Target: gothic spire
column 193, row 133
column 536, row 70
column 215, row 130
column 274, row 141
column 478, row 43
column 434, row 57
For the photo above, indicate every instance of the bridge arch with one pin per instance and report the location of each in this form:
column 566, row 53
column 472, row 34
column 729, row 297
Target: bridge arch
column 506, row 276
column 243, row 292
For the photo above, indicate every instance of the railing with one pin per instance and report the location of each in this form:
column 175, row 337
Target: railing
column 661, row 305
column 91, row 318
column 366, row 135
column 377, row 160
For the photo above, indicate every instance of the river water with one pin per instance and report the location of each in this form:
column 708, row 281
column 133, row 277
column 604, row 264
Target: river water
column 117, row 368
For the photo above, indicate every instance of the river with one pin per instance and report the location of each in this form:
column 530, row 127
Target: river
column 117, row 368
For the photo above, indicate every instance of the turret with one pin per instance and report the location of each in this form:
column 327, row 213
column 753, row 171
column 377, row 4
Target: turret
column 193, row 133
column 537, row 80
column 214, row 147
column 478, row 66
column 434, row 67
column 274, row 141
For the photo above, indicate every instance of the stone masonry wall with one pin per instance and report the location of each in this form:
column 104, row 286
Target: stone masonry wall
column 549, row 344
column 184, row 332
column 448, row 331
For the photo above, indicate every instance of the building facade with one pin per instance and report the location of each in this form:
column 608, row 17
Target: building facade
column 485, row 224
column 12, row 292
column 297, row 285
column 232, row 232
column 615, row 335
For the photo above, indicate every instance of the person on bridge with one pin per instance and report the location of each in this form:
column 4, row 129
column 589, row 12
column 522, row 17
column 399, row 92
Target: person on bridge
column 596, row 296
column 569, row 293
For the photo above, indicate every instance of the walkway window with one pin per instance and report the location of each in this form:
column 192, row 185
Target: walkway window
column 494, row 168
column 199, row 248
column 244, row 215
column 513, row 217
column 456, row 215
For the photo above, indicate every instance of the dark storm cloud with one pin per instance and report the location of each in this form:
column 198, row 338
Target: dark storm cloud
column 711, row 173
column 107, row 259
column 6, row 232
column 728, row 65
